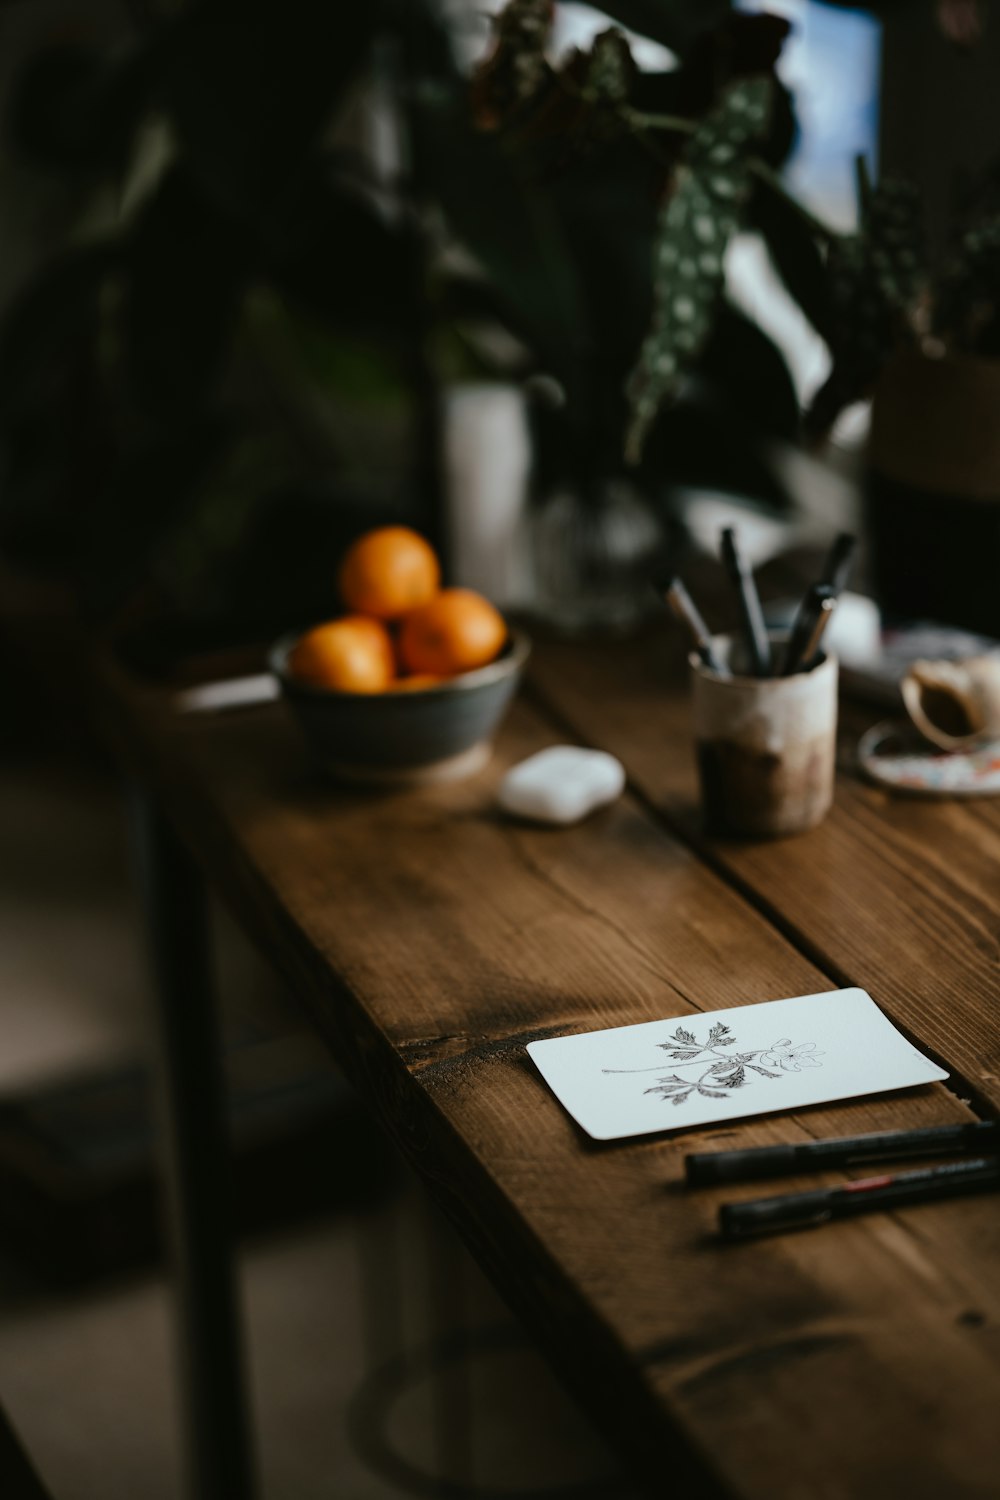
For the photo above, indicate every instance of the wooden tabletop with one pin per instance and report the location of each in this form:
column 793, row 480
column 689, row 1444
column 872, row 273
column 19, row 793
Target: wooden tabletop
column 429, row 940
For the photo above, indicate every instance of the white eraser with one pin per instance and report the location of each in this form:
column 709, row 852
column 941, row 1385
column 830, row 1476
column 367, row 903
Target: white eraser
column 561, row 785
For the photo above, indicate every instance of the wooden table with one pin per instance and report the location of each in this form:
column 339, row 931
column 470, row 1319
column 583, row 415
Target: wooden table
column 429, row 940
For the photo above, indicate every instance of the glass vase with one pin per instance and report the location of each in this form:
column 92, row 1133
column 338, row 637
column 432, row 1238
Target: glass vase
column 593, row 555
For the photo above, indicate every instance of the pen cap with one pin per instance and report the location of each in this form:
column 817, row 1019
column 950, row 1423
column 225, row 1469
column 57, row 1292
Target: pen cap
column 705, row 1167
column 855, row 632
column 765, row 745
column 739, row 1221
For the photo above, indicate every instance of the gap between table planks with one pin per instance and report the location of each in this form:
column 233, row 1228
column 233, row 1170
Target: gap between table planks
column 428, row 940
column 898, row 895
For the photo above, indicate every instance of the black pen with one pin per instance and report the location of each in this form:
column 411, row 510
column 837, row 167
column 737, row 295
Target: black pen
column 704, row 1167
column 739, row 1221
column 810, row 651
column 679, row 601
column 838, row 562
column 814, row 612
column 810, row 622
column 753, row 616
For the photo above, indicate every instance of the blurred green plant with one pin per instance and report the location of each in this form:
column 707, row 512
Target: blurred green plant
column 889, row 297
column 648, row 175
column 239, row 253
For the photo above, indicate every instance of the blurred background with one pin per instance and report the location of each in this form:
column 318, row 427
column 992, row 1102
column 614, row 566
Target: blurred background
column 271, row 275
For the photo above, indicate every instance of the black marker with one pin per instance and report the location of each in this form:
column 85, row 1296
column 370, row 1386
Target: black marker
column 680, row 603
column 753, row 616
column 838, row 562
column 814, row 613
column 706, row 1167
column 738, row 1221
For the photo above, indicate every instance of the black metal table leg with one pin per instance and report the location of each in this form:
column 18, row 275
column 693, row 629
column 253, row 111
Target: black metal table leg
column 192, row 1099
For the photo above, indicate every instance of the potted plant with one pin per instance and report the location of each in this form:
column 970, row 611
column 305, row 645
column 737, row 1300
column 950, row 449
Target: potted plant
column 230, row 220
column 924, row 342
column 591, row 204
column 645, row 178
column 704, row 144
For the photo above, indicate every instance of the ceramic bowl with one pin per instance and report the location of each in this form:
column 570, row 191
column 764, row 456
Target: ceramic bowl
column 424, row 734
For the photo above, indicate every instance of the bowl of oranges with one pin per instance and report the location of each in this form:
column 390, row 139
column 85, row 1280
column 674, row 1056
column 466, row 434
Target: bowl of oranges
column 411, row 681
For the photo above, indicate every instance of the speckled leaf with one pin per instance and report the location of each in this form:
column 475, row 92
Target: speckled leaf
column 516, row 68
column 700, row 216
column 877, row 281
column 611, row 70
column 968, row 300
column 895, row 237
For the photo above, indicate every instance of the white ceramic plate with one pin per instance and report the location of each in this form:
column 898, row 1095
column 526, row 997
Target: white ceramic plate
column 895, row 756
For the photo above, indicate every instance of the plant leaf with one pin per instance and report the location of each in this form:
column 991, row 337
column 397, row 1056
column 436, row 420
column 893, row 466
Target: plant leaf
column 895, row 235
column 681, row 1035
column 515, row 69
column 491, row 205
column 967, row 303
column 796, row 255
column 747, row 376
column 605, row 200
column 672, row 1088
column 493, row 208
column 707, row 205
column 877, row 279
column 674, row 23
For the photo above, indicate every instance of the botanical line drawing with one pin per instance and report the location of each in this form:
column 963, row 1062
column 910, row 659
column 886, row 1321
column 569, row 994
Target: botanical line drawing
column 723, row 1071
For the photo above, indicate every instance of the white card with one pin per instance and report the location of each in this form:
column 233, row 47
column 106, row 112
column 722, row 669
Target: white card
column 727, row 1064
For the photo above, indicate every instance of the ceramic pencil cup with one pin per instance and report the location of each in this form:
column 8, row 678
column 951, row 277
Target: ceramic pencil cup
column 766, row 747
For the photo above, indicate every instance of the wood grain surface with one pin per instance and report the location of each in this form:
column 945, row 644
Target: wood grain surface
column 429, row 940
column 900, row 895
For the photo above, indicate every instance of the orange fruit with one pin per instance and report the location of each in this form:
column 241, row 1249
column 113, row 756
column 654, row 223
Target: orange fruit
column 414, row 683
column 387, row 572
column 352, row 655
column 455, row 631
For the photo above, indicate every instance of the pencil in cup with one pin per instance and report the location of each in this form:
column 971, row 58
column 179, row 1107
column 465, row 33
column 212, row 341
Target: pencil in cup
column 766, row 747
column 680, row 604
column 741, row 576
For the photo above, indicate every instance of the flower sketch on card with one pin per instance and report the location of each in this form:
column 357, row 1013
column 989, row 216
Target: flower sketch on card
column 750, row 1059
column 723, row 1071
